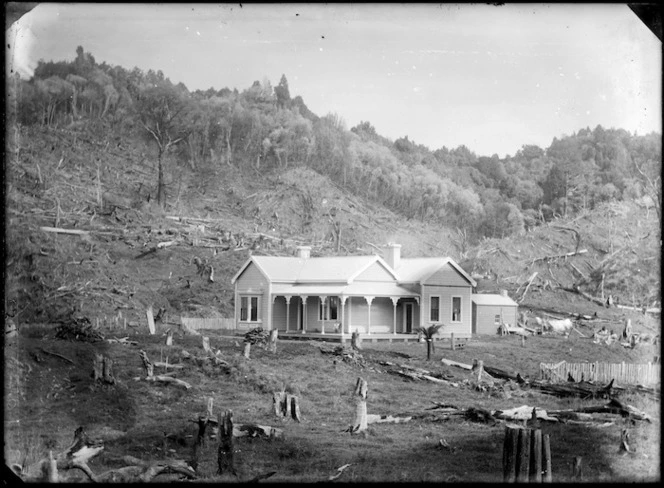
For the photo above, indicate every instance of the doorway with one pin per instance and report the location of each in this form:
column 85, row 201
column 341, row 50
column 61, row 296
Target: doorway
column 408, row 318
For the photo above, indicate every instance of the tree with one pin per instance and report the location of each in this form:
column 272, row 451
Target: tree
column 282, row 93
column 161, row 110
column 427, row 334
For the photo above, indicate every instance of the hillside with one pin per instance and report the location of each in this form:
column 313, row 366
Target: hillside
column 103, row 189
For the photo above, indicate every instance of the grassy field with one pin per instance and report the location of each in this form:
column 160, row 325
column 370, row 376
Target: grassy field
column 47, row 398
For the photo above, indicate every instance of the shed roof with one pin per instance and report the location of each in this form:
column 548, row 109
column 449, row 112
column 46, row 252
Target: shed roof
column 486, row 299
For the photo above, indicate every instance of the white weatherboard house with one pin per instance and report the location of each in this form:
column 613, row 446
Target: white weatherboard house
column 344, row 294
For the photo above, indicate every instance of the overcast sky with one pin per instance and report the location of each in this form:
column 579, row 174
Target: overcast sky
column 491, row 78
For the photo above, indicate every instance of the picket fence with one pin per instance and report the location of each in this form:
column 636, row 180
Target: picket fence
column 209, row 323
column 623, row 373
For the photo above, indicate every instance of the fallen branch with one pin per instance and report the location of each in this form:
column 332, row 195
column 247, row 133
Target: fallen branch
column 124, row 341
column 340, row 471
column 57, row 355
column 558, row 256
column 76, row 456
column 149, row 370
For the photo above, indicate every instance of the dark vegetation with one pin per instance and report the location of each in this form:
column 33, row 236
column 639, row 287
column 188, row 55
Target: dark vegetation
column 132, row 161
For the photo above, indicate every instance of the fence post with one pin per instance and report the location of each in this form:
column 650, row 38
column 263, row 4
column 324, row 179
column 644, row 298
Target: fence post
column 536, row 456
column 510, row 445
column 526, row 456
column 523, row 457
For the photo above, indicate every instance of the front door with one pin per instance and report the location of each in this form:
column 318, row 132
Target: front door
column 408, row 317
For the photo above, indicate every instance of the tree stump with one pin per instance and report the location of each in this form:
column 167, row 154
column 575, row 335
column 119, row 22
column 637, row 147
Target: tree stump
column 169, row 338
column 98, row 367
column 225, row 462
column 274, row 333
column 247, row 349
column 478, row 369
column 286, row 406
column 294, row 407
column 278, row 403
column 576, row 467
column 103, row 369
column 150, row 318
column 356, row 341
column 360, row 424
column 108, row 371
column 52, row 468
column 206, row 344
column 149, row 367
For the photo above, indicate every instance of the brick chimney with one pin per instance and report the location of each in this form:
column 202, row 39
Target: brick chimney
column 503, row 293
column 393, row 255
column 303, row 252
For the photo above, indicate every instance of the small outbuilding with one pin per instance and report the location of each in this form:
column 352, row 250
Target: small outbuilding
column 490, row 311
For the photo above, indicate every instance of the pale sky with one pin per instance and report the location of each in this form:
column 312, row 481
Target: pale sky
column 491, row 78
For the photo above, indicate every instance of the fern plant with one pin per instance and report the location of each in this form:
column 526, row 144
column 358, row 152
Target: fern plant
column 428, row 333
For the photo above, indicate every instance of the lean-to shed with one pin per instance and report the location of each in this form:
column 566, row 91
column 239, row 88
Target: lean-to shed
column 489, row 311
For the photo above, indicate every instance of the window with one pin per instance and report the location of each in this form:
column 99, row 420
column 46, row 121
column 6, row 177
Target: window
column 456, row 309
column 434, row 314
column 496, row 320
column 327, row 309
column 249, row 309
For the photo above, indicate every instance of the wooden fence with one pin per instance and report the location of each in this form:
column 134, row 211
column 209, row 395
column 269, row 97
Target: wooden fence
column 211, row 323
column 625, row 373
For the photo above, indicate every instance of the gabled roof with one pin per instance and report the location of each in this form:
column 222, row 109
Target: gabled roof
column 418, row 270
column 498, row 300
column 335, row 269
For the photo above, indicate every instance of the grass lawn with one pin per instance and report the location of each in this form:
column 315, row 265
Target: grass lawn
column 47, row 398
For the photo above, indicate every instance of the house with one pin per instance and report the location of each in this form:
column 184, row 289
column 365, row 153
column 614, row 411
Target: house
column 489, row 311
column 345, row 294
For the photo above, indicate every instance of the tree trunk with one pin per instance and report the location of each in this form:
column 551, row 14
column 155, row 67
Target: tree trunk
column 160, row 179
column 225, row 451
column 429, row 347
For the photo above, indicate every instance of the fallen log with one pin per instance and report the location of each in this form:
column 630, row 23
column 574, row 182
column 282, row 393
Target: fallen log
column 386, row 419
column 57, row 355
column 614, row 407
column 144, row 471
column 58, row 230
column 449, row 362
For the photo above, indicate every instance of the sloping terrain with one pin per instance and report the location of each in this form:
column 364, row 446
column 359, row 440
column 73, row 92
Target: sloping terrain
column 98, row 258
column 102, row 193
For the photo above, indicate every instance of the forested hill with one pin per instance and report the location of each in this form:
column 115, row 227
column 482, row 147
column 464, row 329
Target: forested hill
column 267, row 130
